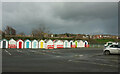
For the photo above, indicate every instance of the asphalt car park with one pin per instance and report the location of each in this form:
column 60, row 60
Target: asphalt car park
column 58, row 60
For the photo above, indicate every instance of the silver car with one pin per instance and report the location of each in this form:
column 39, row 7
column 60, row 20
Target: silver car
column 112, row 49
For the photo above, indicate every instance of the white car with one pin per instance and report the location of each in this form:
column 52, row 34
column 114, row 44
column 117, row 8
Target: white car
column 109, row 43
column 112, row 49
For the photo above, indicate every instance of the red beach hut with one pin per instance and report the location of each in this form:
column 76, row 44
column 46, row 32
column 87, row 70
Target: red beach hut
column 20, row 44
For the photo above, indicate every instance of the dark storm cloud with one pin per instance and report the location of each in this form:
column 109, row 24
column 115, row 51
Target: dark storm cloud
column 71, row 17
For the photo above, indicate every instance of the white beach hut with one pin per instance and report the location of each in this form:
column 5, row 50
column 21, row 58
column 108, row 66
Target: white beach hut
column 66, row 44
column 41, row 44
column 80, row 44
column 0, row 44
column 49, row 44
column 4, row 43
column 27, row 43
column 34, row 44
column 58, row 44
column 20, row 44
column 12, row 43
column 54, row 42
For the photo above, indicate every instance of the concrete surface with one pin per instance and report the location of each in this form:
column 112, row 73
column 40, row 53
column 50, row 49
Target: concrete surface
column 58, row 60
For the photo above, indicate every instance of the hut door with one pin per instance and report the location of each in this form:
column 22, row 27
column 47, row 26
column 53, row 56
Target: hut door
column 71, row 44
column 85, row 44
column 4, row 44
column 34, row 44
column 65, row 44
column 41, row 44
column 20, row 45
column 27, row 44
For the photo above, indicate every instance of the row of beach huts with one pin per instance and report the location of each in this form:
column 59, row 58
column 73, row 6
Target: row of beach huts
column 46, row 44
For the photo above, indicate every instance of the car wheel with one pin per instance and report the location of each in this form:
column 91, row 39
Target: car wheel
column 107, row 52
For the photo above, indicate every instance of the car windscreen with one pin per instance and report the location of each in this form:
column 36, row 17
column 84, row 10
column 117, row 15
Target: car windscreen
column 115, row 46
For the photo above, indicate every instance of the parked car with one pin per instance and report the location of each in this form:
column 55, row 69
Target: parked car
column 109, row 43
column 112, row 49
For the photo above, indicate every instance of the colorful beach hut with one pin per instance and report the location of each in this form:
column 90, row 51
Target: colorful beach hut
column 20, row 44
column 41, row 44
column 34, row 44
column 4, row 43
column 76, row 43
column 27, row 43
column 66, row 44
column 58, row 44
column 72, row 44
column 12, row 43
column 86, row 44
column 49, row 44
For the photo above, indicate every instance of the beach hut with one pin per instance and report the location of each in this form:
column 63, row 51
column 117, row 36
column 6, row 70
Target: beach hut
column 72, row 44
column 76, row 43
column 49, row 44
column 4, row 43
column 41, row 44
column 34, row 44
column 12, row 43
column 58, row 44
column 66, row 44
column 0, row 44
column 86, row 44
column 27, row 43
column 54, row 42
column 20, row 44
column 80, row 44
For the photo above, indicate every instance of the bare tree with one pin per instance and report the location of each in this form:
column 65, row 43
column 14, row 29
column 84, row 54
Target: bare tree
column 8, row 30
column 40, row 31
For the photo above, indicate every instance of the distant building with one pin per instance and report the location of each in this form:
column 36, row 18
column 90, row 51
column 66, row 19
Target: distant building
column 52, row 35
column 104, row 36
column 85, row 36
column 97, row 36
column 46, row 35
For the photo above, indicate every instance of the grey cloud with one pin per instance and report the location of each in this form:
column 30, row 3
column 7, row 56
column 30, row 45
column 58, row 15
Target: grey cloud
column 61, row 17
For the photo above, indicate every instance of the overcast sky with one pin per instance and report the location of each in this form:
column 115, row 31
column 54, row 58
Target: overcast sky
column 62, row 17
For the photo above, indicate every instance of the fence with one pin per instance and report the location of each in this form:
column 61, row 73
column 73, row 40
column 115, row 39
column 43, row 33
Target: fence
column 96, row 45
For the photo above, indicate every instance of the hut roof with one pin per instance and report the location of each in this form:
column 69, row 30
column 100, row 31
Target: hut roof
column 26, row 40
column 4, row 40
column 48, row 40
column 19, row 39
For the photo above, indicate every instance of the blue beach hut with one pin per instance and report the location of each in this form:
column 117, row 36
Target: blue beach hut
column 34, row 44
column 27, row 43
